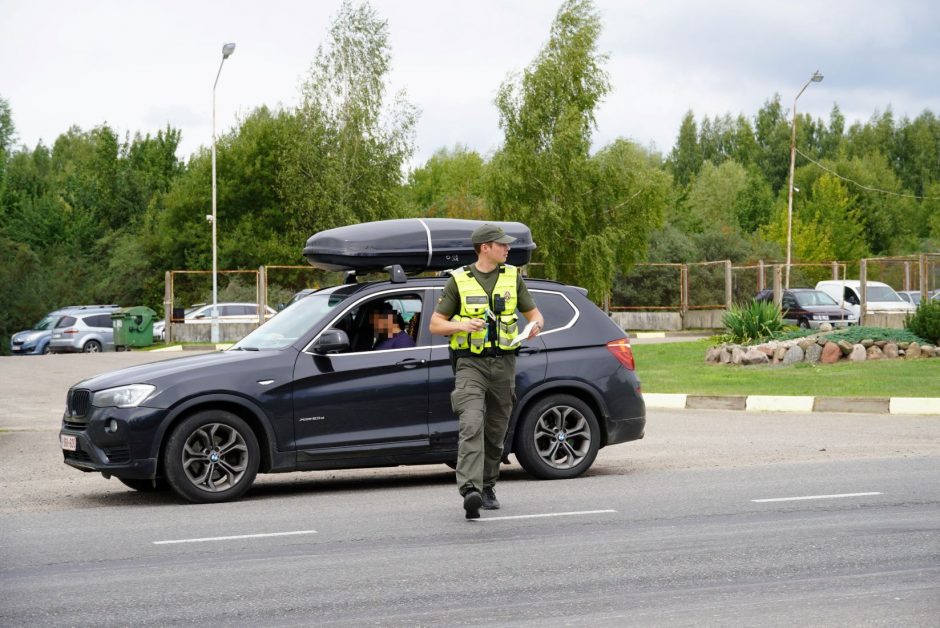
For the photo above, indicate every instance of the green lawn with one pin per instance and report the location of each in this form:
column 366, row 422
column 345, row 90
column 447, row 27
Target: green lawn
column 680, row 367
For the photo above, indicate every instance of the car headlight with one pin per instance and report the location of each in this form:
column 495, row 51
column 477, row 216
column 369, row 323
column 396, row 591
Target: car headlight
column 122, row 396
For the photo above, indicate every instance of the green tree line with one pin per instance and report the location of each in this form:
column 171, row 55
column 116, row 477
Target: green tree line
column 99, row 218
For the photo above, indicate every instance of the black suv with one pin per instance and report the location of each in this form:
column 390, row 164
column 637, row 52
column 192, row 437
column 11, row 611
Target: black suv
column 307, row 391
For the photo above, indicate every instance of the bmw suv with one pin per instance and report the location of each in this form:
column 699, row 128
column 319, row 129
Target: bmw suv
column 308, row 391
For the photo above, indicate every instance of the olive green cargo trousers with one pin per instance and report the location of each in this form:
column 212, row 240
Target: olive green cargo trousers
column 484, row 393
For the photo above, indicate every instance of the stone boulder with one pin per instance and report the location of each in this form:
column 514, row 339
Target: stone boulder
column 890, row 350
column 825, row 327
column 845, row 346
column 913, row 351
column 755, row 356
column 712, row 355
column 858, row 353
column 904, row 345
column 881, row 344
column 794, row 354
column 831, row 353
column 813, row 354
column 806, row 343
column 737, row 355
column 868, row 342
column 874, row 353
column 929, row 351
column 779, row 352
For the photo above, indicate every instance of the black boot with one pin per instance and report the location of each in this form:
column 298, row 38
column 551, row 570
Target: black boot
column 471, row 503
column 489, row 499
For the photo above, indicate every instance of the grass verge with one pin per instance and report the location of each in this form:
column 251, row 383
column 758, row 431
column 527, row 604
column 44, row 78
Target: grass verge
column 679, row 367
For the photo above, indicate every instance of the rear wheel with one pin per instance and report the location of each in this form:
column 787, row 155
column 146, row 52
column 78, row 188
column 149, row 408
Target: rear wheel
column 92, row 346
column 146, row 486
column 211, row 457
column 559, row 438
column 804, row 324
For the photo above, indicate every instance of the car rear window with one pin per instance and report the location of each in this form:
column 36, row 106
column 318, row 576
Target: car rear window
column 98, row 320
column 555, row 308
column 65, row 321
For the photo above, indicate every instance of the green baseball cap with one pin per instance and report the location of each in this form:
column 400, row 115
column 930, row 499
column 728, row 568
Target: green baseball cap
column 490, row 233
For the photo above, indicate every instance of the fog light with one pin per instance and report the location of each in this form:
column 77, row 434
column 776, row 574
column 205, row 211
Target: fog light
column 112, row 426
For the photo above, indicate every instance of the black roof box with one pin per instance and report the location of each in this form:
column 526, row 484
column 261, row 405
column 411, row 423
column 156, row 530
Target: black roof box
column 416, row 244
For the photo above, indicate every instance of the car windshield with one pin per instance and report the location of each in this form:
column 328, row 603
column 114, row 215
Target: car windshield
column 46, row 323
column 815, row 297
column 293, row 322
column 882, row 294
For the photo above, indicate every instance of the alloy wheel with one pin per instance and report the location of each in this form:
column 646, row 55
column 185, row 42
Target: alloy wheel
column 562, row 437
column 215, row 457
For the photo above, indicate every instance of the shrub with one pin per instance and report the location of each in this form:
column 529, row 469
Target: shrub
column 925, row 322
column 754, row 321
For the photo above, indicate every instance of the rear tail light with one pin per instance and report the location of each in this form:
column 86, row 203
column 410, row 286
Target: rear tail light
column 70, row 330
column 622, row 351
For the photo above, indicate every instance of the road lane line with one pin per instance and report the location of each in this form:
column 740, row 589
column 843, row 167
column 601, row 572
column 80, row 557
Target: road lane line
column 794, row 499
column 238, row 536
column 548, row 514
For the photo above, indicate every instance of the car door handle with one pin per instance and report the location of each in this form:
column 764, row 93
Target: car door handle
column 409, row 363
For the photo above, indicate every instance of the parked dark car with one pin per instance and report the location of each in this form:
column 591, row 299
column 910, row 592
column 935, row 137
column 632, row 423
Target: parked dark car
column 810, row 308
column 306, row 391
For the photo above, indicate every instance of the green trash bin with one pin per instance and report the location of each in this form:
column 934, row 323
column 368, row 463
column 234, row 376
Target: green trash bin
column 133, row 327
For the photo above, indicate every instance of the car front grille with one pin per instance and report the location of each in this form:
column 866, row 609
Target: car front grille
column 74, row 425
column 118, row 454
column 79, row 403
column 78, row 456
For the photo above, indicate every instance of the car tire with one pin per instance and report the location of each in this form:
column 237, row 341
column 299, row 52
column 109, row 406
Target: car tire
column 46, row 350
column 92, row 346
column 558, row 438
column 211, row 457
column 146, row 486
column 804, row 324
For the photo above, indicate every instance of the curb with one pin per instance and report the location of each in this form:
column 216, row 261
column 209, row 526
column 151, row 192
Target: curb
column 926, row 406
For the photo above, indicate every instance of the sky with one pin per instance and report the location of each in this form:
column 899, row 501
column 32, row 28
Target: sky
column 139, row 66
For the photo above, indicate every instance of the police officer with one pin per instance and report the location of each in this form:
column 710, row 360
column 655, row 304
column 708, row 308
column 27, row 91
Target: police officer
column 478, row 312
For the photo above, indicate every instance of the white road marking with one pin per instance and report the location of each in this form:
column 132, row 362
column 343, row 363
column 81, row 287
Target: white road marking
column 794, row 499
column 238, row 536
column 548, row 514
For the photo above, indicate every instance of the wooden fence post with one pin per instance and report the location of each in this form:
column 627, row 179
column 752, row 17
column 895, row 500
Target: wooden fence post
column 863, row 290
column 760, row 275
column 683, row 293
column 168, row 305
column 778, row 284
column 729, row 288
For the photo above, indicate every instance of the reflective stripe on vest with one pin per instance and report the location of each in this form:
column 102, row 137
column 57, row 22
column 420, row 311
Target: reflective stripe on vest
column 474, row 303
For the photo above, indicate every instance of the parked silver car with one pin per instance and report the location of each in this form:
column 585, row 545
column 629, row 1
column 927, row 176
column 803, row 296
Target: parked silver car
column 228, row 313
column 86, row 329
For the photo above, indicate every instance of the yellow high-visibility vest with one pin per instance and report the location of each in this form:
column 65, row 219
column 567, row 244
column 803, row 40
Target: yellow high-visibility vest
column 474, row 303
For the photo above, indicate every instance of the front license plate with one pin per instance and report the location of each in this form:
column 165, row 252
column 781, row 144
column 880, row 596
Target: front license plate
column 69, row 443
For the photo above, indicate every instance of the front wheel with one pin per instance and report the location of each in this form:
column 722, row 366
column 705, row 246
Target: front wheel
column 804, row 324
column 211, row 457
column 558, row 439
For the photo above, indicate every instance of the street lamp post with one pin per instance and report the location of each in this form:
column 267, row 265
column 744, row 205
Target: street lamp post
column 227, row 50
column 815, row 78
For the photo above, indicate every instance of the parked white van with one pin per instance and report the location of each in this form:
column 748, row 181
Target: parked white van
column 881, row 296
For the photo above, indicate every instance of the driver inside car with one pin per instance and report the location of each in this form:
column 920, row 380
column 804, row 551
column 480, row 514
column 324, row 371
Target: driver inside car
column 389, row 328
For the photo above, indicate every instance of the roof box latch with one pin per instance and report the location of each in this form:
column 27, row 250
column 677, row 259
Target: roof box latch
column 396, row 274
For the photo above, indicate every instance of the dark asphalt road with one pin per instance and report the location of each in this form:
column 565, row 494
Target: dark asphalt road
column 681, row 547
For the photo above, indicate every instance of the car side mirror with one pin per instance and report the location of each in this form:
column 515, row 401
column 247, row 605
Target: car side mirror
column 331, row 341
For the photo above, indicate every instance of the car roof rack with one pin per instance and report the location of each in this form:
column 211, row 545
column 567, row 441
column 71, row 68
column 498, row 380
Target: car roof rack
column 396, row 274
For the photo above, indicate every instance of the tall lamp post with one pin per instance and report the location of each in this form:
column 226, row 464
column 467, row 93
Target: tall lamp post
column 227, row 51
column 815, row 78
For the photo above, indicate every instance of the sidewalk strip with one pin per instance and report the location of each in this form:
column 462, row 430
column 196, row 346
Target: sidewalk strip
column 548, row 514
column 914, row 405
column 238, row 536
column 777, row 403
column 667, row 401
column 795, row 499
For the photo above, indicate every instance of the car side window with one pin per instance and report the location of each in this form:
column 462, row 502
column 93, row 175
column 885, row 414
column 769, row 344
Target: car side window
column 851, row 298
column 98, row 320
column 383, row 323
column 788, row 301
column 555, row 308
column 65, row 321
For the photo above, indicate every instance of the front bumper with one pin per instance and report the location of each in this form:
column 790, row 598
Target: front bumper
column 126, row 452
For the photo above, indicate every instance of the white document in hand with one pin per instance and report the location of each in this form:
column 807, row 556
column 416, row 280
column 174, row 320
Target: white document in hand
column 523, row 334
